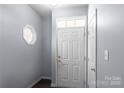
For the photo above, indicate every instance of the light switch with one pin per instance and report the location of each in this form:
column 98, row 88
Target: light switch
column 106, row 55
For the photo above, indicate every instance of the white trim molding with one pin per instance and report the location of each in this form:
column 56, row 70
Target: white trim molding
column 53, row 85
column 44, row 77
column 36, row 81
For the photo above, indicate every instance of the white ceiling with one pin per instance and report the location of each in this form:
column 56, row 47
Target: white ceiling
column 46, row 9
column 42, row 9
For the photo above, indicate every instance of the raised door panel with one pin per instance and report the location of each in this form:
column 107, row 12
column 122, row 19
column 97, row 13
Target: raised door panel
column 65, row 54
column 75, row 50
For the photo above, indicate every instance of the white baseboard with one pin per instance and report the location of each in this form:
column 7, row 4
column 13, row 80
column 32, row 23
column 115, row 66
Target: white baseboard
column 36, row 81
column 31, row 85
column 46, row 77
column 53, row 85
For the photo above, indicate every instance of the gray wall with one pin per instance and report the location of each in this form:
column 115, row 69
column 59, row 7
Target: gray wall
column 78, row 10
column 20, row 64
column 110, row 36
column 46, row 45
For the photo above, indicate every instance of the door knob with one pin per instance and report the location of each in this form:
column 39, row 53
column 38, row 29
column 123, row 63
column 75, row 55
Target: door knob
column 93, row 69
column 59, row 60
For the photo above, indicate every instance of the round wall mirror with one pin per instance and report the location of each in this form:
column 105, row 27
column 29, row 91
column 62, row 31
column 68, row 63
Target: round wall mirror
column 29, row 34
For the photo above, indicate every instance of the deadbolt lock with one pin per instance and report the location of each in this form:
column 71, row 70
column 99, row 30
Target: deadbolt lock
column 93, row 69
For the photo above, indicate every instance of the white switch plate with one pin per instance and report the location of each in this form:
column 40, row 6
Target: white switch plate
column 106, row 55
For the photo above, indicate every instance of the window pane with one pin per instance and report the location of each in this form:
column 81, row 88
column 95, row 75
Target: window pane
column 71, row 23
column 29, row 34
column 61, row 24
column 80, row 22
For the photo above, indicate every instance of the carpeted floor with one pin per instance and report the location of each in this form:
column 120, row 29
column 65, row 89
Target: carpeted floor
column 44, row 83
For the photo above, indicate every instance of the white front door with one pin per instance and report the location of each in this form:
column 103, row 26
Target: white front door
column 70, row 60
column 92, row 51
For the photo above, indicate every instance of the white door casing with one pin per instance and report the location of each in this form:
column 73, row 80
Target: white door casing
column 92, row 50
column 70, row 57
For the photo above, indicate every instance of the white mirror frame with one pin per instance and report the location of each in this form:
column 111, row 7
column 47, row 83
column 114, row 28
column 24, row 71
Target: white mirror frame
column 29, row 35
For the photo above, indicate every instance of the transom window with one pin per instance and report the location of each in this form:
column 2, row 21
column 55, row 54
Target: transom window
column 70, row 22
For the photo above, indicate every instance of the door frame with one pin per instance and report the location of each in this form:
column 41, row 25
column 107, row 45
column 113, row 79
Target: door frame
column 93, row 13
column 86, row 49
